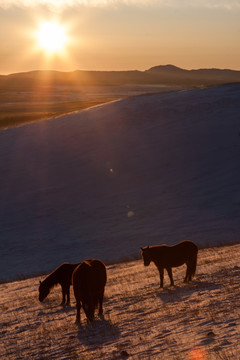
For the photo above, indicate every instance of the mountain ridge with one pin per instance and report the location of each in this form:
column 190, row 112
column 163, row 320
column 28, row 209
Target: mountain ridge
column 160, row 74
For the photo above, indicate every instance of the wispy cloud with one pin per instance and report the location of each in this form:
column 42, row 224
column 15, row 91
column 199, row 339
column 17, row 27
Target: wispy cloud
column 225, row 4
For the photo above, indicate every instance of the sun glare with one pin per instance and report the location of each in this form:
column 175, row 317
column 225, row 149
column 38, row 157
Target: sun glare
column 51, row 37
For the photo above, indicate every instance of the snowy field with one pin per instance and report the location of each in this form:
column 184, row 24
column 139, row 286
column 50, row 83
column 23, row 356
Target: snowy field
column 100, row 183
column 196, row 321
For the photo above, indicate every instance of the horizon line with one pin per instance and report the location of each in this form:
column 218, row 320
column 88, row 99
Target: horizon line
column 117, row 70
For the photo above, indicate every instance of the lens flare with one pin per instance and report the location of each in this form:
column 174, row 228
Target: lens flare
column 197, row 354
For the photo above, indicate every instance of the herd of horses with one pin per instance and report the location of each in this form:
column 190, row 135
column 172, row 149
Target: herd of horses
column 90, row 276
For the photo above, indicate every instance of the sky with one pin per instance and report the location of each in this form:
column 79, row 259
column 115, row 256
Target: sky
column 119, row 34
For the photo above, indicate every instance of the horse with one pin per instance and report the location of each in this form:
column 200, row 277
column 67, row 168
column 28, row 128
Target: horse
column 61, row 275
column 89, row 280
column 166, row 257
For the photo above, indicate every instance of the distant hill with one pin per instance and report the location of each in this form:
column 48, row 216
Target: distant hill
column 166, row 69
column 162, row 74
column 172, row 74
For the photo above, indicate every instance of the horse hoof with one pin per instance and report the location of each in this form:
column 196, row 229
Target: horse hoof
column 90, row 319
column 77, row 321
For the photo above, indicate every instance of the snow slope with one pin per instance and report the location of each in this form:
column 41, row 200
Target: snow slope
column 195, row 321
column 104, row 181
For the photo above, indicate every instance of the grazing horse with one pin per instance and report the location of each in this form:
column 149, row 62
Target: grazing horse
column 89, row 280
column 166, row 257
column 63, row 276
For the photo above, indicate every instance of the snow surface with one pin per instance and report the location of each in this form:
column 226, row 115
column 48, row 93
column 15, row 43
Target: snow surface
column 102, row 182
column 195, row 321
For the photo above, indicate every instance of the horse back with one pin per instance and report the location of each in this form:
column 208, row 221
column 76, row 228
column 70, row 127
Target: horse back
column 97, row 273
column 89, row 276
column 173, row 256
column 186, row 246
column 64, row 273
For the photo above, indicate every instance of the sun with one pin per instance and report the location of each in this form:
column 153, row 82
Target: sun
column 51, row 37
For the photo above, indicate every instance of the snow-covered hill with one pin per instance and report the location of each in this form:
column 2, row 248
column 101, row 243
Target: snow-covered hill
column 102, row 182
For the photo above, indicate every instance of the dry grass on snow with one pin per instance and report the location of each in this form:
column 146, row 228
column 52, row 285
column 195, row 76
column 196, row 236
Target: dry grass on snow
column 194, row 321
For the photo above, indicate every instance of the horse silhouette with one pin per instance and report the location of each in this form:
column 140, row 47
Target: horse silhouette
column 61, row 275
column 166, row 257
column 89, row 280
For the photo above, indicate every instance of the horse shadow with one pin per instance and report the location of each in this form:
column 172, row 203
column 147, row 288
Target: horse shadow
column 53, row 307
column 177, row 293
column 97, row 332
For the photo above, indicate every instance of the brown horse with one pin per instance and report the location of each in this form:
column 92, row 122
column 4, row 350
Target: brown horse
column 63, row 276
column 89, row 280
column 166, row 257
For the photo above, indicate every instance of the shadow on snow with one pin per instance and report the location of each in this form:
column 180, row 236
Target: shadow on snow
column 100, row 331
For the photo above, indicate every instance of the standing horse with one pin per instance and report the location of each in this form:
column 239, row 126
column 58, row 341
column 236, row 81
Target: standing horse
column 63, row 276
column 89, row 280
column 166, row 257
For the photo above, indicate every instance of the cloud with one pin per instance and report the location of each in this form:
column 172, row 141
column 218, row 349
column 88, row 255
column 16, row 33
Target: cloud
column 61, row 4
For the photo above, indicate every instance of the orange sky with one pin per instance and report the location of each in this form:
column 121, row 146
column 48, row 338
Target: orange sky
column 121, row 35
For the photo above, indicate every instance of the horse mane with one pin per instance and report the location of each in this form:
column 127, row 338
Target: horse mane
column 52, row 279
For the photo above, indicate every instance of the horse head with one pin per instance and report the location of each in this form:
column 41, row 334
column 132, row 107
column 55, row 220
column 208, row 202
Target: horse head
column 89, row 308
column 43, row 291
column 146, row 255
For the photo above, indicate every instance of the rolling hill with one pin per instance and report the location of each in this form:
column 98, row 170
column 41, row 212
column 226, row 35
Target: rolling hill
column 104, row 181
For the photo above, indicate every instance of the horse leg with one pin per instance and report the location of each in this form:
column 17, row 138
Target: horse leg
column 189, row 272
column 68, row 295
column 100, row 301
column 192, row 266
column 63, row 295
column 188, row 276
column 169, row 270
column 161, row 274
column 78, row 305
column 65, row 292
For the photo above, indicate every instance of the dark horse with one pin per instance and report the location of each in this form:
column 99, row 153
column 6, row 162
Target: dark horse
column 63, row 276
column 89, row 280
column 166, row 257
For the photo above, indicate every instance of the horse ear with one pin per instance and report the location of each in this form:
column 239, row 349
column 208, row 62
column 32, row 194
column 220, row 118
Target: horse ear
column 40, row 282
column 141, row 248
